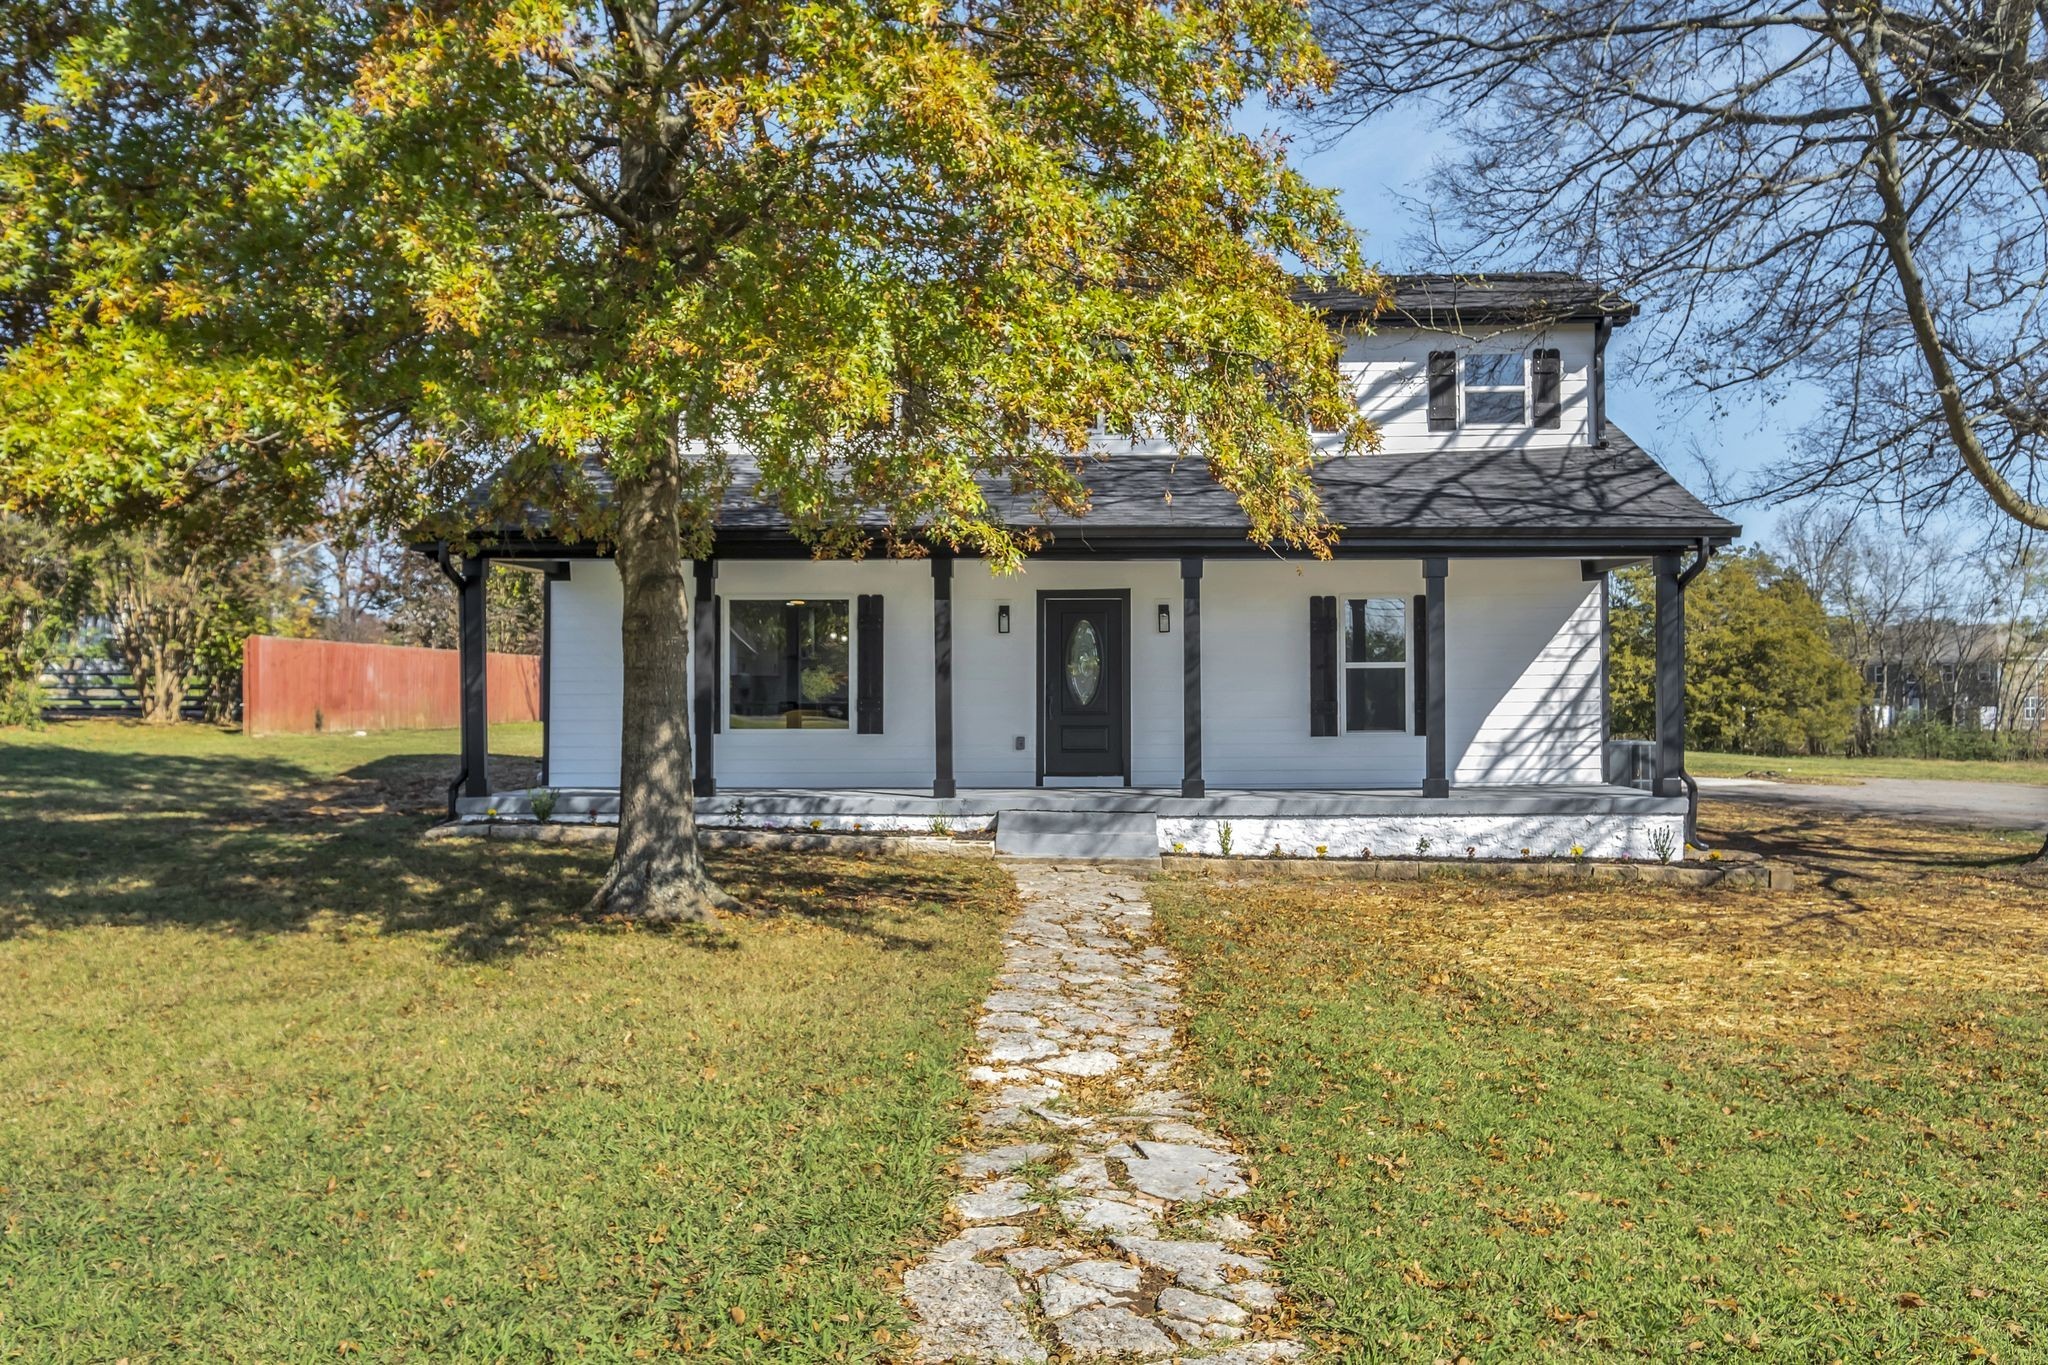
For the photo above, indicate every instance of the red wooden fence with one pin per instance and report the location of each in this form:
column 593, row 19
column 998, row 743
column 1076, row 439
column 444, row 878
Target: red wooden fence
column 299, row 686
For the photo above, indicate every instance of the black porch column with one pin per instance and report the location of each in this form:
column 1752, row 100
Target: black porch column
column 942, row 674
column 1436, row 781
column 1191, row 783
column 475, row 663
column 1670, row 753
column 704, row 661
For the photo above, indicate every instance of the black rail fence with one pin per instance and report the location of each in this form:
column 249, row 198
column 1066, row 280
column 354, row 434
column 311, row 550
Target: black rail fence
column 86, row 688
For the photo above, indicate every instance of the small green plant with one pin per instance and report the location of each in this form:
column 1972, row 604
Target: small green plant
column 1322, row 850
column 1223, row 834
column 736, row 808
column 1179, row 847
column 1662, row 844
column 542, row 799
column 1276, row 853
column 1422, row 846
column 942, row 827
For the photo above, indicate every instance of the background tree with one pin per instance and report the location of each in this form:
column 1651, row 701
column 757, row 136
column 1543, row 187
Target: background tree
column 178, row 597
column 1849, row 197
column 39, row 603
column 414, row 607
column 893, row 252
column 1761, row 674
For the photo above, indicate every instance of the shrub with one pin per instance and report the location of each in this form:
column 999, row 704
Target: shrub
column 21, row 703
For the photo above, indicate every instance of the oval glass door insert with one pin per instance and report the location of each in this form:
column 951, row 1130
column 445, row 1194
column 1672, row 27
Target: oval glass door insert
column 1084, row 662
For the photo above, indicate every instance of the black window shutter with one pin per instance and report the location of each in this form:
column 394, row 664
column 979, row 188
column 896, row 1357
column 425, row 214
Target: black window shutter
column 1546, row 376
column 717, row 659
column 869, row 647
column 1322, row 666
column 1443, row 390
column 1419, row 610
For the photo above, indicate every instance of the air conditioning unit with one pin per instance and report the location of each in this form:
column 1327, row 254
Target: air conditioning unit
column 1632, row 763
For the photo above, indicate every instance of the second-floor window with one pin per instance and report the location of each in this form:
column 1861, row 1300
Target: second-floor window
column 1496, row 391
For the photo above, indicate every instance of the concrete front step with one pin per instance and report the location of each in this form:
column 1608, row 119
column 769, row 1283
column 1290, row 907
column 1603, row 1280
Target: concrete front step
column 1089, row 836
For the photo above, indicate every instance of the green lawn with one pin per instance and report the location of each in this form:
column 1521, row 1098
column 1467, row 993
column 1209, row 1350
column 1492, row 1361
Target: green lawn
column 2031, row 772
column 285, row 1082
column 1499, row 1121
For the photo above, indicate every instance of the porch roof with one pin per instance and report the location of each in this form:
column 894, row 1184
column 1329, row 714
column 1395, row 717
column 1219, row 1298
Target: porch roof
column 1609, row 498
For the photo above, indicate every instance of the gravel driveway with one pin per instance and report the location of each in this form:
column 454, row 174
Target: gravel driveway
column 1997, row 805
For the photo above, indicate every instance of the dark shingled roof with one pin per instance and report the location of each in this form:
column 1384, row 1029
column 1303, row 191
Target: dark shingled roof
column 1453, row 301
column 1613, row 491
column 1610, row 490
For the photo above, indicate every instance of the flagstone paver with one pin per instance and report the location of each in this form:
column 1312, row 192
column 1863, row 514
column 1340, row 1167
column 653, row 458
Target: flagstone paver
column 1086, row 1210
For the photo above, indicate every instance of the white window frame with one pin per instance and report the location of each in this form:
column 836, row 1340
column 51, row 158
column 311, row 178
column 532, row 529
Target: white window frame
column 1406, row 665
column 727, row 654
column 1466, row 388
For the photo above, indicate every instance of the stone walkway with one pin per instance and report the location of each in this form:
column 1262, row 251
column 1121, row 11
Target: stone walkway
column 1083, row 1229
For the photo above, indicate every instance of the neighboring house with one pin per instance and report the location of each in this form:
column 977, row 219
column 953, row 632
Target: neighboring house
column 1441, row 684
column 1968, row 675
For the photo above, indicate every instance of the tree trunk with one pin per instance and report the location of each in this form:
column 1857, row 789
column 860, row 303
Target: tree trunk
column 657, row 873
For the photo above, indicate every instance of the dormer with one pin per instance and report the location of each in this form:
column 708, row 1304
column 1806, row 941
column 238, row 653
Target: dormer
column 1456, row 362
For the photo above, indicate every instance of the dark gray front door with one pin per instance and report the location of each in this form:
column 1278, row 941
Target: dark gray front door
column 1084, row 687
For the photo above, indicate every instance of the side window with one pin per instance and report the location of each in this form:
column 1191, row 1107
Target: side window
column 1375, row 663
column 1496, row 391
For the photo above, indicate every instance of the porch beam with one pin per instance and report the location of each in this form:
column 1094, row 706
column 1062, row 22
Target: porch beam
column 704, row 662
column 1669, row 765
column 1191, row 783
column 942, row 674
column 1436, row 781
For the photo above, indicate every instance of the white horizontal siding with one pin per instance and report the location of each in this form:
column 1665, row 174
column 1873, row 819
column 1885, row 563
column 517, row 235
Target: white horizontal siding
column 585, row 676
column 1388, row 371
column 1523, row 681
column 995, row 677
column 900, row 756
column 1255, row 678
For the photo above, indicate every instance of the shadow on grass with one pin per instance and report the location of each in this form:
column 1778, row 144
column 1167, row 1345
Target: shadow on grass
column 1865, row 863
column 256, row 844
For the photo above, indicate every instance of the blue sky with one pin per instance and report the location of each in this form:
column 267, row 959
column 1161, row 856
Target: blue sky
column 1378, row 170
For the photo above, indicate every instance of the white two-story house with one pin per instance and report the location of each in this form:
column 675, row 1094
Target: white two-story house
column 1440, row 684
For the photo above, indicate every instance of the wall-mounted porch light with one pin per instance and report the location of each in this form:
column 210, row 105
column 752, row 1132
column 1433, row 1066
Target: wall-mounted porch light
column 1002, row 618
column 1165, row 619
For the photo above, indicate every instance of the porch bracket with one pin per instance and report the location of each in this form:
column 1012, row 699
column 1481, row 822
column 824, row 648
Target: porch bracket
column 1191, row 783
column 473, row 776
column 1436, row 781
column 942, row 674
column 704, row 663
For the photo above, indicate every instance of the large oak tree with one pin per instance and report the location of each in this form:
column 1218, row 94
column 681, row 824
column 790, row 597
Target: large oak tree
column 892, row 250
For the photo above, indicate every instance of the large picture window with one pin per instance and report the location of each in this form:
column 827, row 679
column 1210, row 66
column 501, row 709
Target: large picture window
column 791, row 661
column 1496, row 391
column 1375, row 663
